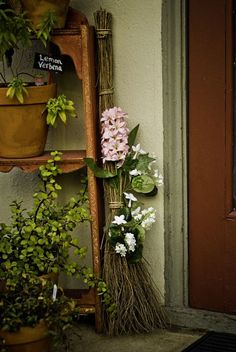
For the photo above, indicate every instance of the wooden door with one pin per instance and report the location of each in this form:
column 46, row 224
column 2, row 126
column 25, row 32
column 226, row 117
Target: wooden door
column 212, row 219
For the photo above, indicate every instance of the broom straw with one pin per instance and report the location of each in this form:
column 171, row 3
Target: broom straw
column 137, row 299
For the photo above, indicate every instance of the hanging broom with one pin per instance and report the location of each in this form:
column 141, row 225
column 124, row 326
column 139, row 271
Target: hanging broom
column 137, row 299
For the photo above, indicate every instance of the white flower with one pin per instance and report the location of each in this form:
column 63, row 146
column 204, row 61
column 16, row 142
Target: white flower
column 149, row 217
column 150, row 165
column 120, row 249
column 131, row 198
column 137, row 150
column 119, row 220
column 159, row 178
column 136, row 211
column 136, row 214
column 135, row 172
column 130, row 241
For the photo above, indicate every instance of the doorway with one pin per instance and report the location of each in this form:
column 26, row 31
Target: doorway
column 211, row 215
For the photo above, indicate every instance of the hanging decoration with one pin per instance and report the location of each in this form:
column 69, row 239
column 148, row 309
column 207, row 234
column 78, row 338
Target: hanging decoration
column 128, row 171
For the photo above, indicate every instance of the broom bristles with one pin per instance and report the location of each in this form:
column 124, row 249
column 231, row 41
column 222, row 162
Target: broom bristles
column 138, row 301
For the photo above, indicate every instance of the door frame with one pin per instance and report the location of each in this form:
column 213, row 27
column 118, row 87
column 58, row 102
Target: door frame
column 174, row 33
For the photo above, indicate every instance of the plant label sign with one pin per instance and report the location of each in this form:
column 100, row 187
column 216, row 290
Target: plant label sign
column 48, row 63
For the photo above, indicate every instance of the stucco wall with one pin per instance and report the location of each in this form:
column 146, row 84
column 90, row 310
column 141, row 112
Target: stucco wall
column 138, row 90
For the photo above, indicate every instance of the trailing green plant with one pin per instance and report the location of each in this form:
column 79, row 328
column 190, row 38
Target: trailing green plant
column 59, row 108
column 39, row 241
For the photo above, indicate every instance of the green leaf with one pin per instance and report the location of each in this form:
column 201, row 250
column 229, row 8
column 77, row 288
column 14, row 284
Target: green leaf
column 143, row 162
column 98, row 172
column 62, row 115
column 130, row 163
column 136, row 256
column 142, row 184
column 132, row 135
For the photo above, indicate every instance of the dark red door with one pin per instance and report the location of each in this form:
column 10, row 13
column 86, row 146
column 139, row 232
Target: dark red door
column 212, row 220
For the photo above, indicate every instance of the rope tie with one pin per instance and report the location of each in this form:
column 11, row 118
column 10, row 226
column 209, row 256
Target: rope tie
column 106, row 91
column 103, row 33
column 115, row 205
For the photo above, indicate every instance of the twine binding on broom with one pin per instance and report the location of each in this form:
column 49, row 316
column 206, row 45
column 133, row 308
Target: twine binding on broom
column 115, row 205
column 106, row 91
column 103, row 33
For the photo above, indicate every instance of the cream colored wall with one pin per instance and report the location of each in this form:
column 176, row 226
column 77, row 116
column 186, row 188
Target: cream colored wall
column 138, row 90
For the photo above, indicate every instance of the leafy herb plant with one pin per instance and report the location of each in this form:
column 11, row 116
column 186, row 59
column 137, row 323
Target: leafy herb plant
column 17, row 88
column 59, row 108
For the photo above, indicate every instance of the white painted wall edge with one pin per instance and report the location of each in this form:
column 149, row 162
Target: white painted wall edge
column 175, row 166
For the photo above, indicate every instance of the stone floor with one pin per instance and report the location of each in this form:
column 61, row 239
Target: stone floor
column 158, row 341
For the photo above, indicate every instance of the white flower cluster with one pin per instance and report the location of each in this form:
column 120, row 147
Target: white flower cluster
column 121, row 249
column 146, row 217
column 159, row 178
column 130, row 241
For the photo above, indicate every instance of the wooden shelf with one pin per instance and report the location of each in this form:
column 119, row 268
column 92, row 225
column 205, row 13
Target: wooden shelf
column 77, row 42
column 84, row 298
column 72, row 160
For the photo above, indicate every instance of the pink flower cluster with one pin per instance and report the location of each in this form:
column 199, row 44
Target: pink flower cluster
column 115, row 133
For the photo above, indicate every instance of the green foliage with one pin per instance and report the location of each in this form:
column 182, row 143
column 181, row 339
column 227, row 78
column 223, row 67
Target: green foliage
column 17, row 89
column 48, row 22
column 59, row 108
column 31, row 301
column 39, row 240
column 98, row 171
column 142, row 184
column 14, row 29
column 132, row 135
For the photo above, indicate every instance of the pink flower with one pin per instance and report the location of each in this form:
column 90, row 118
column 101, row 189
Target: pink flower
column 115, row 132
column 113, row 114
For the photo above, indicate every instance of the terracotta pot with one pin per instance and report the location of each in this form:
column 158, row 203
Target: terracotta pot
column 37, row 8
column 23, row 128
column 27, row 339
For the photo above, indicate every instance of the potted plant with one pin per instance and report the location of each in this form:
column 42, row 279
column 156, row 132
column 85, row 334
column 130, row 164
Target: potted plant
column 34, row 315
column 34, row 245
column 23, row 116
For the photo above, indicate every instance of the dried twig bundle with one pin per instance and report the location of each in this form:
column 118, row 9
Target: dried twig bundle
column 137, row 299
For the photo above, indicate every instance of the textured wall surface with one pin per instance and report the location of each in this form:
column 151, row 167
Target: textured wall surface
column 138, row 90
